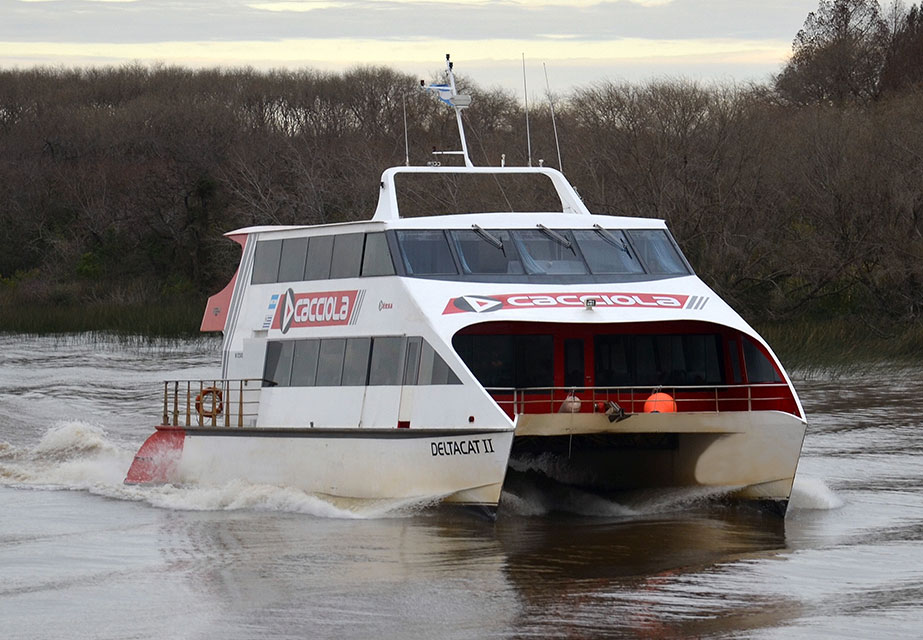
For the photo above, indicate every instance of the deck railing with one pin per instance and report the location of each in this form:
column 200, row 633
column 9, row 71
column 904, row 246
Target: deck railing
column 211, row 403
column 713, row 398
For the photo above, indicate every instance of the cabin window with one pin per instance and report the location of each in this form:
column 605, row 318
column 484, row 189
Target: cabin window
column 347, row 255
column 657, row 252
column 534, row 361
column 266, row 262
column 304, row 365
column 487, row 252
column 759, row 368
column 386, row 367
column 277, row 369
column 356, row 362
column 508, row 361
column 734, row 357
column 651, row 360
column 362, row 361
column 320, row 252
column 612, row 362
column 426, row 253
column 376, row 260
column 490, row 358
column 608, row 252
column 548, row 252
column 291, row 267
column 433, row 369
column 412, row 360
column 330, row 362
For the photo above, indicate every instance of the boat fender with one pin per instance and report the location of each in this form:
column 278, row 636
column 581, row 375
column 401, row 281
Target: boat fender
column 660, row 403
column 571, row 404
column 214, row 397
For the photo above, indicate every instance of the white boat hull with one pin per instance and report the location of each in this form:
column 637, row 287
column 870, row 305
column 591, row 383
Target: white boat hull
column 753, row 455
column 463, row 467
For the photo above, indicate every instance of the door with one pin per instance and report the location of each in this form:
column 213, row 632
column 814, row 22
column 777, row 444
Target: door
column 574, row 368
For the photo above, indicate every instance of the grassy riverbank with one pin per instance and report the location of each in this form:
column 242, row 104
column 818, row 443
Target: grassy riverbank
column 835, row 343
column 165, row 319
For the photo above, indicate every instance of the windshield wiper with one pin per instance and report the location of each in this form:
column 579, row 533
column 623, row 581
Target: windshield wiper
column 606, row 235
column 554, row 235
column 488, row 237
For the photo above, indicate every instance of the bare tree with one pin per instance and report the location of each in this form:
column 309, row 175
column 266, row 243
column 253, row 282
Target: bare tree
column 837, row 56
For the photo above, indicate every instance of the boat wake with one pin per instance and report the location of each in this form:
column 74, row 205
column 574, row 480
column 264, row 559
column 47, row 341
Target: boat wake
column 813, row 494
column 79, row 456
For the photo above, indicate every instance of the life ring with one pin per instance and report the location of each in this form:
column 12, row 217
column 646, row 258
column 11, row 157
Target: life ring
column 212, row 395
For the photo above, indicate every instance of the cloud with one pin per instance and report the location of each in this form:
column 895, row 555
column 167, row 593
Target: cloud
column 749, row 38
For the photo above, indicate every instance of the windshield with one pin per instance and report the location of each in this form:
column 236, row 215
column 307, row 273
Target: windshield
column 541, row 254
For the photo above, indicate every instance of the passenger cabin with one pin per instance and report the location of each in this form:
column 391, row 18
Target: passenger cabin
column 526, row 366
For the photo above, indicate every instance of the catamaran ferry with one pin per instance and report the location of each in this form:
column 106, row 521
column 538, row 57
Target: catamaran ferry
column 414, row 357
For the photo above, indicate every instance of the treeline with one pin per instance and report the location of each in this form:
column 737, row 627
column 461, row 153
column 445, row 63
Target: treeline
column 799, row 198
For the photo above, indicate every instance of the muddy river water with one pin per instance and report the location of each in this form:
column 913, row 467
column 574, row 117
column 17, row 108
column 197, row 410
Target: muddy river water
column 84, row 556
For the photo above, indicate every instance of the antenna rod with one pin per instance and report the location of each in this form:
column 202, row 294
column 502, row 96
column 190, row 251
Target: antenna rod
column 458, row 106
column 553, row 124
column 525, row 92
column 406, row 142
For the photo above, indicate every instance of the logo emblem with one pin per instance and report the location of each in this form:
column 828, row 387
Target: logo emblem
column 478, row 304
column 288, row 310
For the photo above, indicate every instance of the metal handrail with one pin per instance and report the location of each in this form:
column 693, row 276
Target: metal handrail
column 632, row 398
column 211, row 403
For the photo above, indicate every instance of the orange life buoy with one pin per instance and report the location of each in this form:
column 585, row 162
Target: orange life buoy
column 660, row 403
column 212, row 395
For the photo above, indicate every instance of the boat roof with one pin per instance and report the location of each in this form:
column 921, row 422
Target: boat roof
column 494, row 220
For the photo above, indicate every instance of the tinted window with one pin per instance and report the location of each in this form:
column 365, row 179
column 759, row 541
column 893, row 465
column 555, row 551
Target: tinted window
column 611, row 361
column 734, row 357
column 534, row 361
column 294, row 251
column 304, row 365
column 607, row 252
column 650, row 360
column 479, row 255
column 278, row 367
column 347, row 255
column 412, row 360
column 490, row 359
column 356, row 362
column 542, row 253
column 266, row 261
column 376, row 261
column 320, row 253
column 759, row 368
column 657, row 252
column 387, row 367
column 426, row 253
column 330, row 362
column 701, row 360
column 508, row 361
column 433, row 369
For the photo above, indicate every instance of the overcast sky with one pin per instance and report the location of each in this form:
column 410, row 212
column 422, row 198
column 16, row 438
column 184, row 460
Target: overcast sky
column 581, row 41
